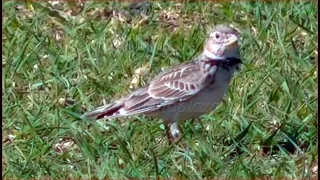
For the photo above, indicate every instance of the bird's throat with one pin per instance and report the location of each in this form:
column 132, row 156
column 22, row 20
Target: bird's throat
column 208, row 64
column 210, row 55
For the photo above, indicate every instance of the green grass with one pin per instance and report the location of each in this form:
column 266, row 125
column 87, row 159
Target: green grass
column 275, row 89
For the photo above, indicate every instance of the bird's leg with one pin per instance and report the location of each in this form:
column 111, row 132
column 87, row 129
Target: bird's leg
column 170, row 139
column 176, row 132
column 173, row 132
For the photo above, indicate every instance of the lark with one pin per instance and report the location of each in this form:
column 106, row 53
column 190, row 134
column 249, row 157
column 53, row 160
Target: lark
column 185, row 91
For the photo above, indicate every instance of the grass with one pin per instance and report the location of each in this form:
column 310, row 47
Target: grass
column 57, row 65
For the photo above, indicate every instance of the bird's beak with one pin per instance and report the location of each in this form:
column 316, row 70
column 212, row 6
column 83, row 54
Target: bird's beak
column 232, row 41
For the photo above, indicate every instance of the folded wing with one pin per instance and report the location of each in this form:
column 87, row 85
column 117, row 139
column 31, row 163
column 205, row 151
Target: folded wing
column 175, row 85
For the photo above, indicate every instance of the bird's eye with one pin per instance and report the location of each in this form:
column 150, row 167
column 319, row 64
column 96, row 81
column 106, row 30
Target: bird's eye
column 217, row 35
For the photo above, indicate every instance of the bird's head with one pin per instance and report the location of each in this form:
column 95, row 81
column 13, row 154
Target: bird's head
column 222, row 43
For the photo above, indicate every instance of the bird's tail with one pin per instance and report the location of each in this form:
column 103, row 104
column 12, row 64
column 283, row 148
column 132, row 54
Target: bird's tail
column 105, row 112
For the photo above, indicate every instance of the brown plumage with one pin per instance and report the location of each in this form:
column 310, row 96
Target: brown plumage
column 171, row 94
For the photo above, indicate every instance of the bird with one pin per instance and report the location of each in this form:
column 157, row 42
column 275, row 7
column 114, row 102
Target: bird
column 185, row 91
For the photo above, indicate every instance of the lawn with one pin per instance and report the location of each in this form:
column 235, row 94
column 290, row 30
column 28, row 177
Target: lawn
column 61, row 59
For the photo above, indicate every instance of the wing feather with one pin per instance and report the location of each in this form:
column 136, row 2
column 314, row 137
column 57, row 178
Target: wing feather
column 177, row 84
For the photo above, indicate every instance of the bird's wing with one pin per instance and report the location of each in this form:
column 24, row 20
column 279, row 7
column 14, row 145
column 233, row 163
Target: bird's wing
column 175, row 85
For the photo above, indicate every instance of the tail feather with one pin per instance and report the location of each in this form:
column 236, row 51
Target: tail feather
column 104, row 112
